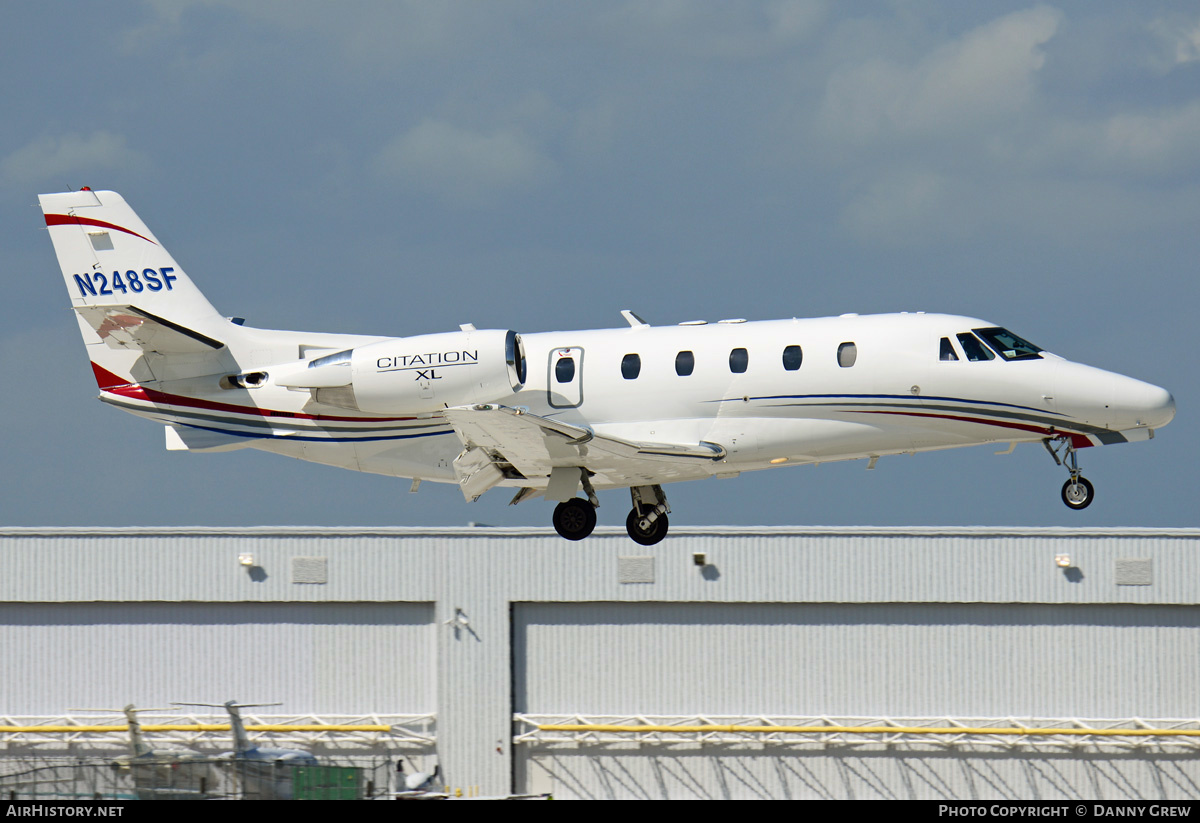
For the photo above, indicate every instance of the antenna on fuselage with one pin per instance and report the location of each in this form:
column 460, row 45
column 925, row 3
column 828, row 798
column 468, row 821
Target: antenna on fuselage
column 633, row 320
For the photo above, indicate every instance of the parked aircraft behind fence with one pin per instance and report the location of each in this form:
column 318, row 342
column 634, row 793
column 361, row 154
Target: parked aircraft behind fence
column 556, row 413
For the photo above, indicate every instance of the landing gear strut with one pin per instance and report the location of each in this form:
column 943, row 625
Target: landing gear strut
column 647, row 523
column 575, row 519
column 1077, row 492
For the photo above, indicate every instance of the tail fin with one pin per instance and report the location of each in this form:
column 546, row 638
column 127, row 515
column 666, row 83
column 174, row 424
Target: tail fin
column 133, row 300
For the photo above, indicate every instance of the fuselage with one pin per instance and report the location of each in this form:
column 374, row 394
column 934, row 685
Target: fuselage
column 769, row 393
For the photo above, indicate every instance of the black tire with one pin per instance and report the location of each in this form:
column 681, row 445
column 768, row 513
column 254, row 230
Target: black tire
column 1078, row 494
column 575, row 519
column 656, row 532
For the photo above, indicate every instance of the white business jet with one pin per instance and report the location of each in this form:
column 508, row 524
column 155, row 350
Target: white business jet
column 558, row 413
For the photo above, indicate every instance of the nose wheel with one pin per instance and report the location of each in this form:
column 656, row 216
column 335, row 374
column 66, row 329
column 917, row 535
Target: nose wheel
column 1077, row 492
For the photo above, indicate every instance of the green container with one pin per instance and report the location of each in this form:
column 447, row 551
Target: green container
column 327, row 783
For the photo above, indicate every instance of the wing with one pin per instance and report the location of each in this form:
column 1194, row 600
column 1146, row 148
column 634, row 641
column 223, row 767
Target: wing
column 503, row 443
column 128, row 327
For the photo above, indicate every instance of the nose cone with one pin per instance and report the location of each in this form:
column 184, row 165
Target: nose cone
column 1113, row 400
column 1149, row 405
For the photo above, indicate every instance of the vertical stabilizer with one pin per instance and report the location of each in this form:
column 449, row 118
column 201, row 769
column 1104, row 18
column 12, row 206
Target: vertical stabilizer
column 133, row 301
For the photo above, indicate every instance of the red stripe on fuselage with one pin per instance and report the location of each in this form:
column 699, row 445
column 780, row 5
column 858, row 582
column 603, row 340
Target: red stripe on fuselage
column 1079, row 441
column 121, row 387
column 71, row 219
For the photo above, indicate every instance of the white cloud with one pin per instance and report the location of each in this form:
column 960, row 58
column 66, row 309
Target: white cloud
column 51, row 157
column 722, row 31
column 464, row 167
column 984, row 77
column 1181, row 39
column 1157, row 142
column 1154, row 144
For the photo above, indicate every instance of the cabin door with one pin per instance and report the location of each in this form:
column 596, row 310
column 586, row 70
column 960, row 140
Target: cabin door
column 564, row 384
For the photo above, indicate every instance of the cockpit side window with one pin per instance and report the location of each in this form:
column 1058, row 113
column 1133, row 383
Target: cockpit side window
column 1008, row 345
column 973, row 349
column 947, row 350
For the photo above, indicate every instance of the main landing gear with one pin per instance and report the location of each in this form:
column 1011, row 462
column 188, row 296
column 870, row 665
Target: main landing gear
column 575, row 519
column 647, row 522
column 1077, row 492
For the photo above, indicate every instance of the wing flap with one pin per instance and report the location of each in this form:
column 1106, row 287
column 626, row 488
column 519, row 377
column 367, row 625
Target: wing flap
column 535, row 445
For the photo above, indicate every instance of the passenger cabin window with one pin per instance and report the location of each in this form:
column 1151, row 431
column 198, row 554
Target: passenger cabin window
column 947, row 350
column 738, row 360
column 685, row 363
column 631, row 366
column 973, row 349
column 564, row 370
column 1008, row 345
column 847, row 354
column 792, row 358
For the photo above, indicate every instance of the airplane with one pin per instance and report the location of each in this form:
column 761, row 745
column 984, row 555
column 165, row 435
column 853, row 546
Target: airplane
column 159, row 774
column 554, row 414
column 243, row 749
column 258, row 768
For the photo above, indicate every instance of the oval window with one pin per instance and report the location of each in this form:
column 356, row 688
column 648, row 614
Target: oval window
column 738, row 360
column 631, row 366
column 564, row 370
column 847, row 354
column 792, row 358
column 685, row 363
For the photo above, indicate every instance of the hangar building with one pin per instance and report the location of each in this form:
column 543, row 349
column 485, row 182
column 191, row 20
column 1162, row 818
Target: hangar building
column 753, row 662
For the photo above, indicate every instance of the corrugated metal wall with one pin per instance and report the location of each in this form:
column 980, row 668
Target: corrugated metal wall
column 315, row 658
column 480, row 623
column 899, row 660
column 851, row 774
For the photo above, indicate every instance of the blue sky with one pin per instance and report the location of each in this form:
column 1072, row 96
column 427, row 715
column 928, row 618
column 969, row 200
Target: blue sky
column 401, row 168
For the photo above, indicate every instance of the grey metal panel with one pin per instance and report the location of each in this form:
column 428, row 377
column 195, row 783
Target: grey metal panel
column 860, row 775
column 314, row 657
column 900, row 660
column 812, row 565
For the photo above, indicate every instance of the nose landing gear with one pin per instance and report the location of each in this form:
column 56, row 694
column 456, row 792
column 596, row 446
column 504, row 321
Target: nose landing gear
column 1077, row 492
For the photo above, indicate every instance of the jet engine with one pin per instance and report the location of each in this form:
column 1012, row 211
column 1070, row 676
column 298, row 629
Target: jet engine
column 411, row 374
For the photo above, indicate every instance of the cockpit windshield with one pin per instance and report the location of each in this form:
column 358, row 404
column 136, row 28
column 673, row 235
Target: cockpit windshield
column 973, row 349
column 1008, row 345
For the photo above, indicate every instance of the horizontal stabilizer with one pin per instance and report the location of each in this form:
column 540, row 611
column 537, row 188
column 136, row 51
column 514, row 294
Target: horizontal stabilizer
column 128, row 327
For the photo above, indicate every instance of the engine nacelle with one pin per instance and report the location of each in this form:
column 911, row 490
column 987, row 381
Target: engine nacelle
column 420, row 374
